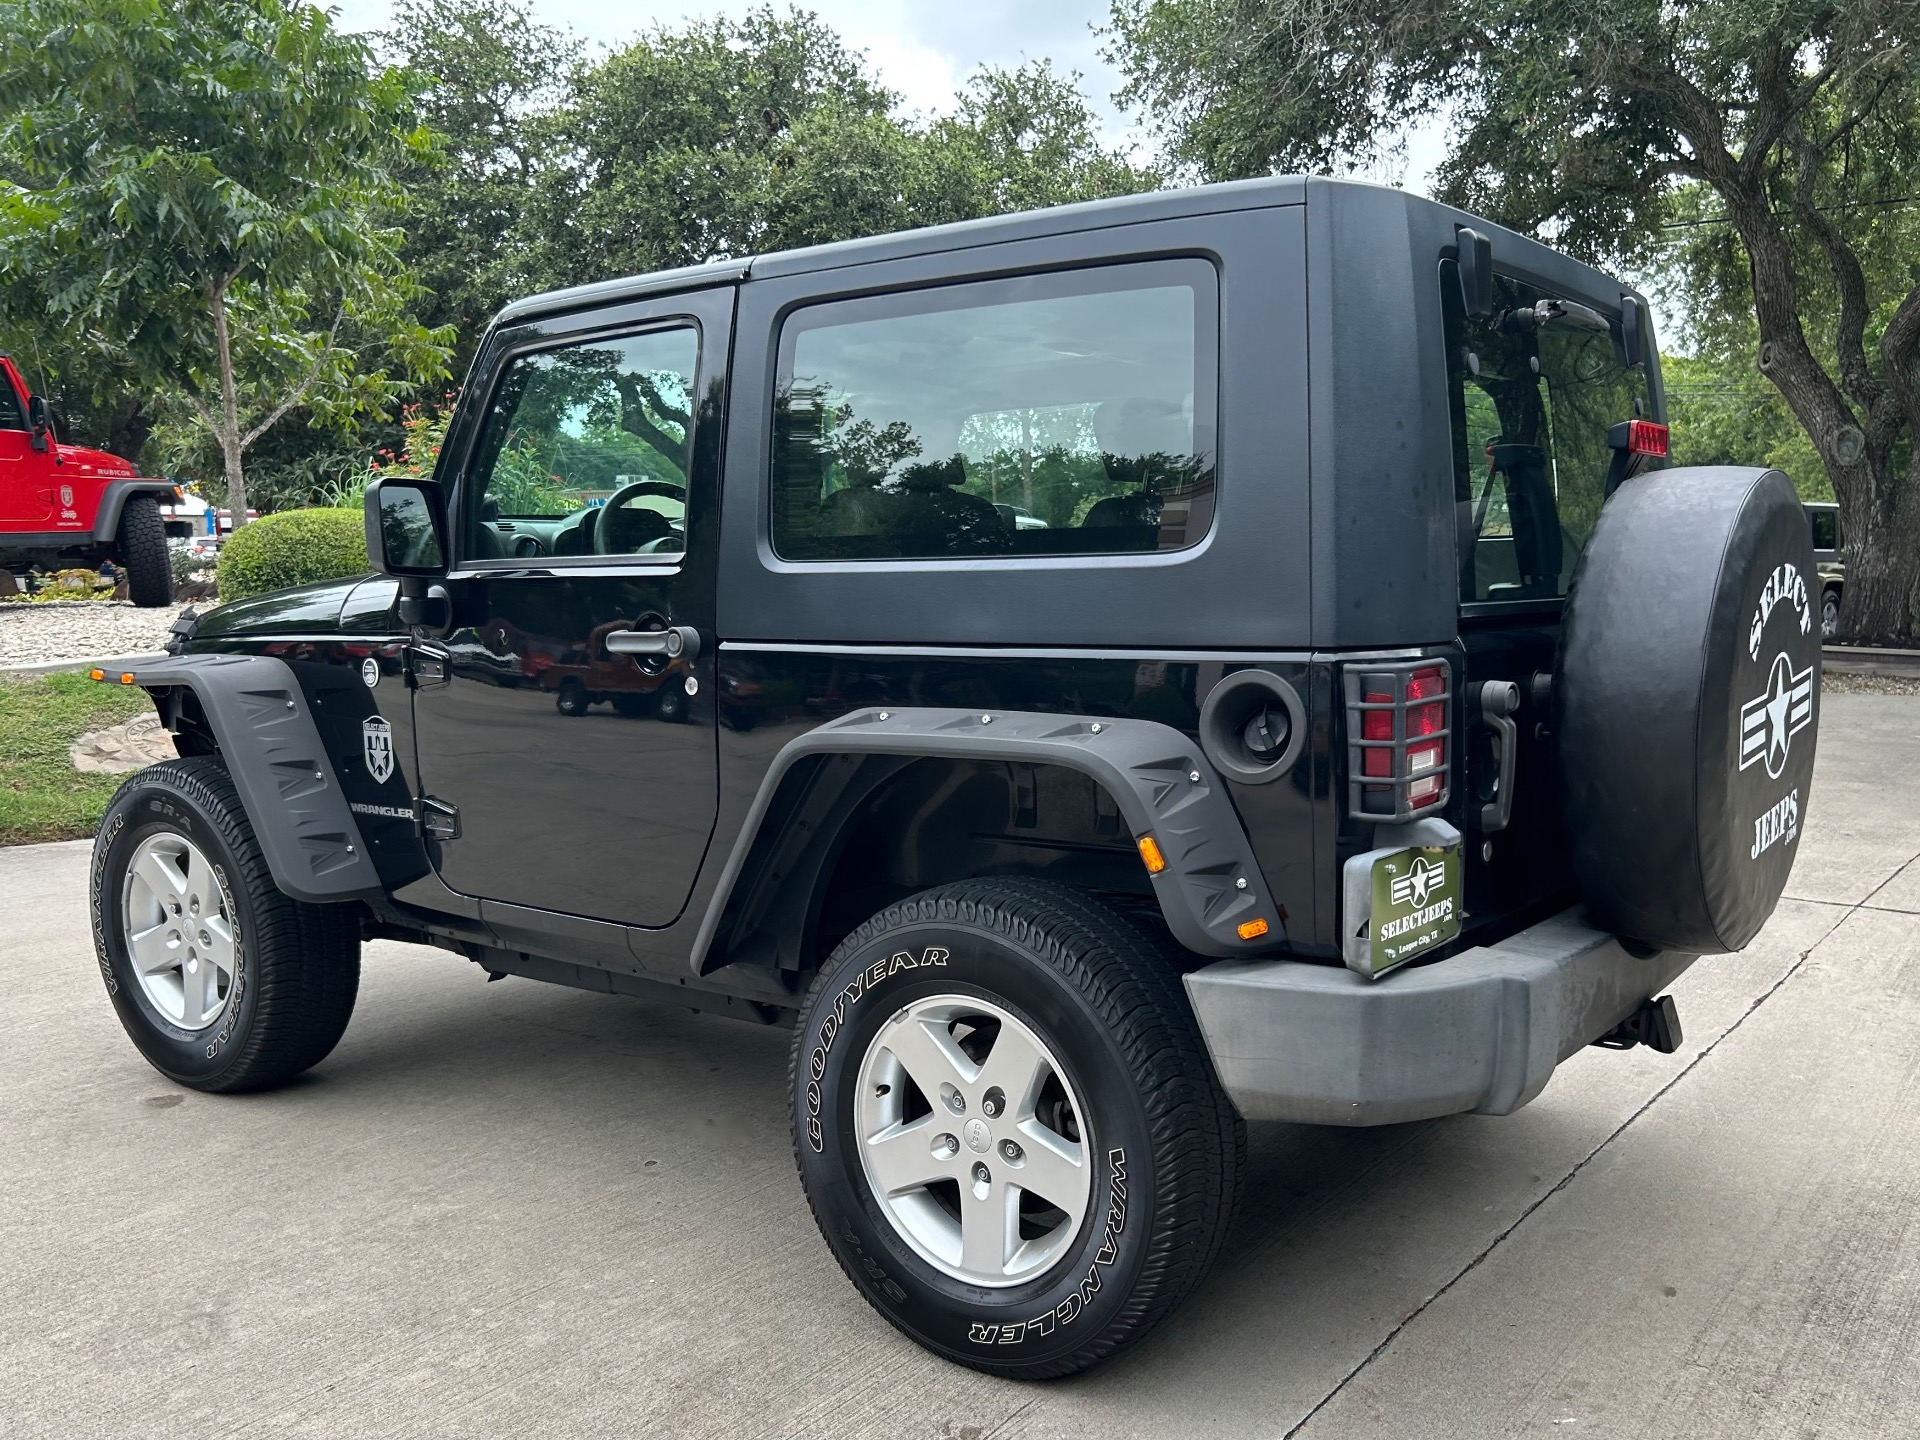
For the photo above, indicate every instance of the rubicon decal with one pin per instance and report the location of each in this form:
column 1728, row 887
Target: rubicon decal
column 376, row 738
column 1770, row 720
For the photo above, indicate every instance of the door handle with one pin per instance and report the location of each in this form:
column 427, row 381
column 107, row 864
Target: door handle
column 678, row 642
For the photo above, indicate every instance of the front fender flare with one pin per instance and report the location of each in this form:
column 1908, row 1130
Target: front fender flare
column 113, row 499
column 1162, row 783
column 272, row 748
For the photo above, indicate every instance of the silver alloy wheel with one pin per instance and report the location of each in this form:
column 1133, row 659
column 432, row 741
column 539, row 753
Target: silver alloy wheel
column 179, row 930
column 981, row 1164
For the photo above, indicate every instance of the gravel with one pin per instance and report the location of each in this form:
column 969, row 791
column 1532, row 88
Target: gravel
column 84, row 630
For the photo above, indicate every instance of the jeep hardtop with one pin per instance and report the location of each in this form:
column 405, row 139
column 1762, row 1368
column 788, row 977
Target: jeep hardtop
column 1099, row 676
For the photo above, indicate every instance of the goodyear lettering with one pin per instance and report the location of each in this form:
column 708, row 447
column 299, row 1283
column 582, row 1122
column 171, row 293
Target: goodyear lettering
column 836, row 1018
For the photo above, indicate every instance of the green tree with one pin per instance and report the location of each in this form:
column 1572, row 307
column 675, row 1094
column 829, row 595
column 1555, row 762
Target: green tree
column 727, row 138
column 1592, row 123
column 488, row 75
column 205, row 183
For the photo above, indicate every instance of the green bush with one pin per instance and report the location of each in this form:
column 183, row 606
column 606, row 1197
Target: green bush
column 294, row 547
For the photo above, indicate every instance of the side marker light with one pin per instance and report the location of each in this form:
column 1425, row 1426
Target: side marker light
column 1150, row 853
column 1252, row 929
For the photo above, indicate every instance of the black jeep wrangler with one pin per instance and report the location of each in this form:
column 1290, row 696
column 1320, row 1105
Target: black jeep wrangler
column 1099, row 676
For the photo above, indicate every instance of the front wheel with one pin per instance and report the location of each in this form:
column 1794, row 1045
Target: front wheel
column 1008, row 1128
column 1829, row 614
column 222, row 980
column 143, row 548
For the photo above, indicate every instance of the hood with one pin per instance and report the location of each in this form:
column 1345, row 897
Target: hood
column 82, row 461
column 303, row 610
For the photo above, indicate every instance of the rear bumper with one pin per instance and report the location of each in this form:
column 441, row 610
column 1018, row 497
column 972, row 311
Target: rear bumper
column 1481, row 1031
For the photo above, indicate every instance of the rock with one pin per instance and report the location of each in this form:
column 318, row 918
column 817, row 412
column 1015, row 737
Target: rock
column 122, row 749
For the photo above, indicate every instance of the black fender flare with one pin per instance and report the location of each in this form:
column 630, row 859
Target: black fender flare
column 113, row 499
column 1159, row 778
column 272, row 748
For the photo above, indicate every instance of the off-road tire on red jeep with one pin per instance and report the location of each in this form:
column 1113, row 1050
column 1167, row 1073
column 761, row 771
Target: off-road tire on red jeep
column 1163, row 1146
column 143, row 550
column 295, row 968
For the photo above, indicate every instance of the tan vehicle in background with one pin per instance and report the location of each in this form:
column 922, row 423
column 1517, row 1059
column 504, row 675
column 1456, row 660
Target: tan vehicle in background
column 1823, row 518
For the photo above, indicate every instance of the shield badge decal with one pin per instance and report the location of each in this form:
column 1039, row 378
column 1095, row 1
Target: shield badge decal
column 377, row 739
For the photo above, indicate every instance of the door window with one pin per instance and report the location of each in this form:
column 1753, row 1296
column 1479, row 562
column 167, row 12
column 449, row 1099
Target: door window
column 1534, row 388
column 1062, row 414
column 585, row 451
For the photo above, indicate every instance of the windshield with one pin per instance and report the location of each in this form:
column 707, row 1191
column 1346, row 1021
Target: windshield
column 1532, row 389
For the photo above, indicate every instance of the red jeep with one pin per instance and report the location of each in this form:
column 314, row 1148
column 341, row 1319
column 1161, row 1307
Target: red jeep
column 67, row 505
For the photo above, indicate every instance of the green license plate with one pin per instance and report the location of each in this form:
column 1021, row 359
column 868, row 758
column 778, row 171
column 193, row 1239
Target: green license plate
column 1416, row 903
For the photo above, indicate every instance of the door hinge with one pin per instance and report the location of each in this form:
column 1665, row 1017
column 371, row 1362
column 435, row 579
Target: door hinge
column 429, row 667
column 439, row 819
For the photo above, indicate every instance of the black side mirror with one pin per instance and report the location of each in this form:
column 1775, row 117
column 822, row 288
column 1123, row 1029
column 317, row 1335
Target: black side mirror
column 406, row 528
column 1476, row 271
column 40, row 420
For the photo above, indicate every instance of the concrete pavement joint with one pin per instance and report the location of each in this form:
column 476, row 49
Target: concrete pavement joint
column 1568, row 1178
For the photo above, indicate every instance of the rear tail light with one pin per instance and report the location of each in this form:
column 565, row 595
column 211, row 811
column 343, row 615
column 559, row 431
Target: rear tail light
column 1645, row 437
column 1398, row 763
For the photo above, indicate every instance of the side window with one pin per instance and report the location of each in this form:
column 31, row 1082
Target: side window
column 1826, row 529
column 1533, row 389
column 12, row 417
column 1064, row 414
column 585, row 450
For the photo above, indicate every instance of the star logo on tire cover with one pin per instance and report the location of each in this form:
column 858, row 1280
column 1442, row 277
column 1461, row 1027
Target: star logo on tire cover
column 1769, row 721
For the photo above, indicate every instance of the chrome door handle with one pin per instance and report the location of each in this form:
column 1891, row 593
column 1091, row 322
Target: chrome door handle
column 680, row 642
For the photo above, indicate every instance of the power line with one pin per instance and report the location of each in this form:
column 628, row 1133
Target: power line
column 1788, row 215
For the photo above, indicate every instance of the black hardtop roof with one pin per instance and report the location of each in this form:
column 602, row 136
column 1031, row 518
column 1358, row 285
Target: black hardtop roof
column 1025, row 225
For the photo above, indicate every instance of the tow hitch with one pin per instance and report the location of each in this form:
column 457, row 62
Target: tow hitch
column 1656, row 1024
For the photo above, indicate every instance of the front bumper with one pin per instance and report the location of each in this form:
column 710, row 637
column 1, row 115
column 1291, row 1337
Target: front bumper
column 1481, row 1031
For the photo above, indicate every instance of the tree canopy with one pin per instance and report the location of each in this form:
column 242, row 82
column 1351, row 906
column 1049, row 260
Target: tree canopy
column 207, row 185
column 1787, row 132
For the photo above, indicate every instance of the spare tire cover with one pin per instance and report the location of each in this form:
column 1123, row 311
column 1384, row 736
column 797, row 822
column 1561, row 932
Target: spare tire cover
column 1686, row 701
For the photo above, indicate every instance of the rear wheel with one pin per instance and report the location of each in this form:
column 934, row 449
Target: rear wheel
column 143, row 549
column 1829, row 613
column 222, row 981
column 1008, row 1128
column 572, row 699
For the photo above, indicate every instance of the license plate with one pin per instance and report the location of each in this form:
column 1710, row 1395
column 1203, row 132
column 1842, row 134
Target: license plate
column 1416, row 903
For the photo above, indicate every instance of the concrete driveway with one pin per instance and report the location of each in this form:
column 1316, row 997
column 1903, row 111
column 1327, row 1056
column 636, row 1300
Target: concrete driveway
column 517, row 1210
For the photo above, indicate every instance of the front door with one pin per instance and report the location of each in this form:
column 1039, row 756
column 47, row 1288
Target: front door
column 581, row 775
column 24, row 492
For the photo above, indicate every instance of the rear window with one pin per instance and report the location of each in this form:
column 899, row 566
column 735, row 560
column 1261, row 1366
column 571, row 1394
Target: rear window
column 1071, row 413
column 1533, row 389
column 1826, row 529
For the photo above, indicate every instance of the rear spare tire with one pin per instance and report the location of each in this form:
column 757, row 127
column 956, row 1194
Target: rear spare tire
column 143, row 548
column 1686, row 701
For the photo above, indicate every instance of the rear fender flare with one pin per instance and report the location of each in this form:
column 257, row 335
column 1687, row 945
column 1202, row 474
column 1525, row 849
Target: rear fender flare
column 1162, row 783
column 265, row 729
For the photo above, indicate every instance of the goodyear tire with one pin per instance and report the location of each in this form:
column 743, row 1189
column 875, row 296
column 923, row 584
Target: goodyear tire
column 1686, row 704
column 143, row 548
column 222, row 981
column 1007, row 1127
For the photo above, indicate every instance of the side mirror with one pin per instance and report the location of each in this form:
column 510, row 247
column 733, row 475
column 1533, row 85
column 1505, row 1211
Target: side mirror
column 406, row 528
column 1476, row 271
column 40, row 420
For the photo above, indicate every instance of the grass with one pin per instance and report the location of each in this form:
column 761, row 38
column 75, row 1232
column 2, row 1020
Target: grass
column 42, row 797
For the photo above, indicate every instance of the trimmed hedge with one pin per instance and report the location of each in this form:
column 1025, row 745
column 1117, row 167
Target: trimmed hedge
column 293, row 547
